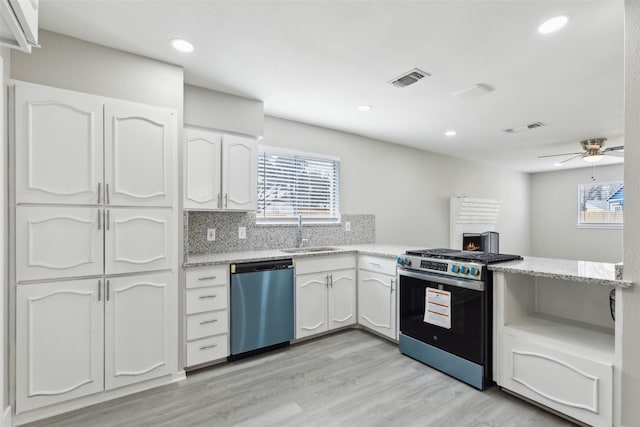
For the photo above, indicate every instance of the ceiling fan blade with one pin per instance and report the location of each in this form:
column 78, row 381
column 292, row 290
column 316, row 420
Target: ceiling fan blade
column 613, row 153
column 556, row 155
column 620, row 147
column 571, row 158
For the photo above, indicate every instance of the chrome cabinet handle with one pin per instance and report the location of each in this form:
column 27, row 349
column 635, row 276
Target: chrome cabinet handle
column 107, row 290
column 392, row 282
column 207, row 278
column 204, row 347
column 219, row 200
column 207, row 296
column 99, row 290
column 326, row 280
column 99, row 220
column 106, row 193
column 226, row 201
column 99, row 192
column 331, row 280
column 108, row 220
column 204, row 322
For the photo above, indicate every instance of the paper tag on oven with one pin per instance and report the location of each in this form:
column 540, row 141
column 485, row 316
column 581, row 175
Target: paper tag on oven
column 437, row 308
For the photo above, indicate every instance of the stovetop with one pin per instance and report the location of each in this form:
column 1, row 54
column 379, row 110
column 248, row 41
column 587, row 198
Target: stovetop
column 459, row 255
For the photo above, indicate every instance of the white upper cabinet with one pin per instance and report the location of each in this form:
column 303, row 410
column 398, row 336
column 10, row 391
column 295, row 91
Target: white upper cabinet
column 239, row 173
column 138, row 240
column 220, row 171
column 19, row 24
column 59, row 342
column 58, row 241
column 140, row 342
column 58, row 146
column 202, row 157
column 138, row 155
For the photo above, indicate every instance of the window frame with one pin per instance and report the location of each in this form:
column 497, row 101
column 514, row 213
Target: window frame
column 332, row 220
column 596, row 225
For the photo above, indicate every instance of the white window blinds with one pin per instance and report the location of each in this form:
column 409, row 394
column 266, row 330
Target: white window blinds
column 291, row 183
column 601, row 204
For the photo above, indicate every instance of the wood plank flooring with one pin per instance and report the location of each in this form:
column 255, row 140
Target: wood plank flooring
column 351, row 378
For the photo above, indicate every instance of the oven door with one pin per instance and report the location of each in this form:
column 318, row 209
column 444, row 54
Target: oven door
column 463, row 334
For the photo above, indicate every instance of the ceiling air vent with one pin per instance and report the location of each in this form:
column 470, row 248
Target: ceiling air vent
column 523, row 128
column 409, row 78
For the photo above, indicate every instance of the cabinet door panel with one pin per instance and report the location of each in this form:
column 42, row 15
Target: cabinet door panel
column 376, row 300
column 54, row 242
column 59, row 342
column 311, row 304
column 202, row 160
column 342, row 298
column 139, row 155
column 58, row 149
column 239, row 173
column 138, row 240
column 140, row 331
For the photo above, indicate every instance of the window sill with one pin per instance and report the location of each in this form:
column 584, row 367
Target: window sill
column 601, row 226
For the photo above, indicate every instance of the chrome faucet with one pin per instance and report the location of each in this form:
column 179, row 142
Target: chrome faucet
column 299, row 239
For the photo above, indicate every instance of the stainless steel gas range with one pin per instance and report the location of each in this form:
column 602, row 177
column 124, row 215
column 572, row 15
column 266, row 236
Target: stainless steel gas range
column 446, row 311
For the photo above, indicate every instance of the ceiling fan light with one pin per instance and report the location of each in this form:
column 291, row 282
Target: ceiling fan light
column 594, row 158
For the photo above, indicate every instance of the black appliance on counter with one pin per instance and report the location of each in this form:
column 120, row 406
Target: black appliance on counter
column 489, row 241
column 446, row 311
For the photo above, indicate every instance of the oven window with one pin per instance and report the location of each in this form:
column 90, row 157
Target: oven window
column 465, row 338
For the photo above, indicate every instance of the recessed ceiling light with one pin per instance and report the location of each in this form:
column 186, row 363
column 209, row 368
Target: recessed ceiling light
column 364, row 107
column 450, row 133
column 181, row 45
column 553, row 24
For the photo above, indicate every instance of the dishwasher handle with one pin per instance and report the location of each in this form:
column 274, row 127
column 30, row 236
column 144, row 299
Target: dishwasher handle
column 252, row 267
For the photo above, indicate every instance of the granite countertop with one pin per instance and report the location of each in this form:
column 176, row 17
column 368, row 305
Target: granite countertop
column 384, row 250
column 578, row 271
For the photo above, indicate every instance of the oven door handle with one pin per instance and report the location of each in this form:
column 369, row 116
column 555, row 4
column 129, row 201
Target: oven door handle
column 475, row 285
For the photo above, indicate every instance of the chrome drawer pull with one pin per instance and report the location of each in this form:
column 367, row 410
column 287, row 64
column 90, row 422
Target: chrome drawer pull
column 207, row 278
column 204, row 322
column 207, row 296
column 375, row 263
column 204, row 347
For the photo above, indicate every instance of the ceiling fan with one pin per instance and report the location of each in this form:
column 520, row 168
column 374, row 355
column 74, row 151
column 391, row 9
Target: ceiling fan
column 593, row 151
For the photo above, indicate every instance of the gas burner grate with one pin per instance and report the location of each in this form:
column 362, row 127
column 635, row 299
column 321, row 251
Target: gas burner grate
column 458, row 255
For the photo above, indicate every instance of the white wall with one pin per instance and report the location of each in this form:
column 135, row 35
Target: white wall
column 4, row 288
column 554, row 212
column 407, row 189
column 222, row 111
column 627, row 372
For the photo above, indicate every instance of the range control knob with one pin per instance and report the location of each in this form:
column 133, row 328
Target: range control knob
column 474, row 271
column 454, row 268
column 407, row 262
column 463, row 269
column 399, row 260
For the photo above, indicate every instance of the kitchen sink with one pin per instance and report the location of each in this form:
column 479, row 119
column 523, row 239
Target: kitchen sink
column 309, row 250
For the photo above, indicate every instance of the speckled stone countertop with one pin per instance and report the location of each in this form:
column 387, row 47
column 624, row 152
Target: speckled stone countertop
column 384, row 250
column 578, row 271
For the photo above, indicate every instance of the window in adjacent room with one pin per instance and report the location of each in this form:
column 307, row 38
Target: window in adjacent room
column 292, row 183
column 601, row 204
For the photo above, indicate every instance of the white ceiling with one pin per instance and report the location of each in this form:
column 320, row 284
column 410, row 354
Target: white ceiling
column 316, row 61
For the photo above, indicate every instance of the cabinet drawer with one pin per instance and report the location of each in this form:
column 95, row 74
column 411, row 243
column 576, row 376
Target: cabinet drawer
column 206, row 299
column 573, row 385
column 377, row 264
column 322, row 263
column 207, row 349
column 207, row 276
column 207, row 324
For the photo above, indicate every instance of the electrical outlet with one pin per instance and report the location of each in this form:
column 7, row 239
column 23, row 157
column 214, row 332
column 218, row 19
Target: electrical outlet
column 211, row 234
column 242, row 232
column 347, row 226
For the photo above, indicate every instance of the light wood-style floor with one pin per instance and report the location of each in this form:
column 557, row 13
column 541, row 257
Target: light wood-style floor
column 351, row 378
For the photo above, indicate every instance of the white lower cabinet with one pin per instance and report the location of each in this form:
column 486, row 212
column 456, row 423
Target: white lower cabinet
column 59, row 342
column 325, row 296
column 207, row 314
column 579, row 387
column 78, row 337
column 377, row 301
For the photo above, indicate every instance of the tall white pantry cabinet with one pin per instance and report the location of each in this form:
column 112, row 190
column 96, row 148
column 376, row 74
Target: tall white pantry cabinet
column 95, row 244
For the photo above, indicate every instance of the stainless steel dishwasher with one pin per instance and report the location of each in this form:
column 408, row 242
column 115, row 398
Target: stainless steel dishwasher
column 262, row 305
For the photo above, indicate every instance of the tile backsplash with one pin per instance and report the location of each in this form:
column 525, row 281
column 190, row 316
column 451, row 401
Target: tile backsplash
column 259, row 237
